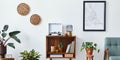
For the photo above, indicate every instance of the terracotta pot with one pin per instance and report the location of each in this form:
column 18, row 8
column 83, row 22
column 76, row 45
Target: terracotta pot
column 60, row 49
column 2, row 51
column 89, row 51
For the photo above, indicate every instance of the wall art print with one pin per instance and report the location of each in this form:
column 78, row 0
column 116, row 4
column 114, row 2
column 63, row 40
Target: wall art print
column 94, row 15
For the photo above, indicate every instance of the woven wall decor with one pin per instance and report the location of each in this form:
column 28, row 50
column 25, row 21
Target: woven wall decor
column 35, row 19
column 23, row 9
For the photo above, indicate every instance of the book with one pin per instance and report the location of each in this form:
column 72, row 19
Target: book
column 68, row 55
column 68, row 48
column 72, row 47
column 56, row 55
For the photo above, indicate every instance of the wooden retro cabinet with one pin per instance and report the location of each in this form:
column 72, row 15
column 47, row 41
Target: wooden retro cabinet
column 54, row 41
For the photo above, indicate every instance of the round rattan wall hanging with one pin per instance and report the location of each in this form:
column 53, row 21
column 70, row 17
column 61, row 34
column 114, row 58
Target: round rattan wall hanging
column 23, row 9
column 35, row 19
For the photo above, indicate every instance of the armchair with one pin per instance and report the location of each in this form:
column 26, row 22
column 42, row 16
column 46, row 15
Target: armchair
column 112, row 48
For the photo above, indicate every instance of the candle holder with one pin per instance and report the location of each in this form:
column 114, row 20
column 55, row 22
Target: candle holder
column 69, row 29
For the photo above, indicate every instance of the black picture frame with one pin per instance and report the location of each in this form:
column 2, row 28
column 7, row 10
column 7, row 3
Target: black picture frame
column 95, row 22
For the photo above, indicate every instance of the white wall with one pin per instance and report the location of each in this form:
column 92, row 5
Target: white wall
column 61, row 11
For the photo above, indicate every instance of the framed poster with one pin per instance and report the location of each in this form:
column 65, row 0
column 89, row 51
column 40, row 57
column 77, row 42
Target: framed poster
column 94, row 15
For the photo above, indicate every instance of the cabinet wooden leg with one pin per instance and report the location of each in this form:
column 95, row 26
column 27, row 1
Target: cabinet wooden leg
column 50, row 58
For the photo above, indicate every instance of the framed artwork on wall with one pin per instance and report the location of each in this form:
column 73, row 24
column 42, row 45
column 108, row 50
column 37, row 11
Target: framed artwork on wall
column 94, row 16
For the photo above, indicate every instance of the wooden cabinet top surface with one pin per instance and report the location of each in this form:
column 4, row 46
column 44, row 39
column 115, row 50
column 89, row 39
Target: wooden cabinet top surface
column 61, row 36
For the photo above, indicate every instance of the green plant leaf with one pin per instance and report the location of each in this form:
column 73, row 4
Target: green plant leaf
column 95, row 48
column 81, row 49
column 89, row 45
column 31, row 55
column 3, row 31
column 5, row 28
column 16, row 39
column 83, row 45
column 60, row 45
column 11, row 45
column 4, row 34
column 98, row 50
column 95, row 44
column 14, row 33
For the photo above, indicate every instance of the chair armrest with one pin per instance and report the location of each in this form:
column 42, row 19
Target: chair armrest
column 106, row 57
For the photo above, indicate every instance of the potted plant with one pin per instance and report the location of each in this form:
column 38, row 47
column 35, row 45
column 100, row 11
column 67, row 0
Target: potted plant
column 89, row 47
column 30, row 55
column 4, row 41
column 60, row 47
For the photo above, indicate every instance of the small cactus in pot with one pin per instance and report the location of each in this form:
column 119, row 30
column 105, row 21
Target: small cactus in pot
column 60, row 46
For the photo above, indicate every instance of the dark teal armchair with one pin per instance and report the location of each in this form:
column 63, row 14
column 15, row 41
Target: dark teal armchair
column 112, row 48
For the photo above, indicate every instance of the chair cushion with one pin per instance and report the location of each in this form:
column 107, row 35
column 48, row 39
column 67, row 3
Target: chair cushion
column 113, row 44
column 114, row 57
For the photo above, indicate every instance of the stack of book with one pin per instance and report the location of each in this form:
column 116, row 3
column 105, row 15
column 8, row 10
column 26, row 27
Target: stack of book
column 68, row 55
column 56, row 55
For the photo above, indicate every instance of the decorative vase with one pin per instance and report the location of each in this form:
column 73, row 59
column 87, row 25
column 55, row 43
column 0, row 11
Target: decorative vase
column 69, row 34
column 53, row 48
column 2, row 51
column 89, row 51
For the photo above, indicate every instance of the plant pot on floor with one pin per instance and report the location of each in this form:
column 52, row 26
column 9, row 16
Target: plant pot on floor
column 2, row 51
column 89, row 51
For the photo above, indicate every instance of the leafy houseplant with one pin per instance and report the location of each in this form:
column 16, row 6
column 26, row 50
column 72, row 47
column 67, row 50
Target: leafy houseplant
column 60, row 46
column 89, row 47
column 30, row 55
column 4, row 40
